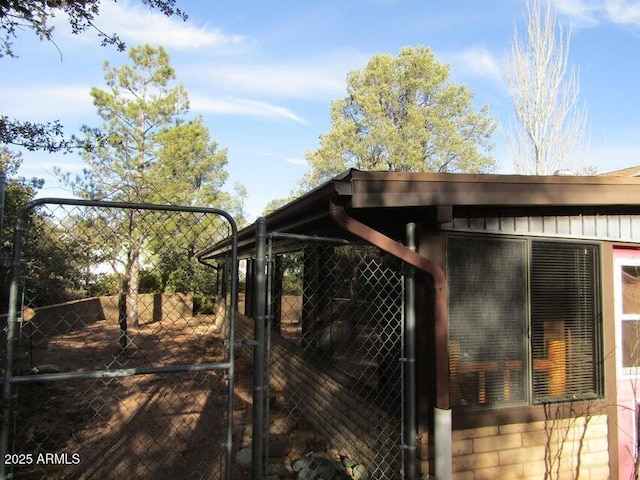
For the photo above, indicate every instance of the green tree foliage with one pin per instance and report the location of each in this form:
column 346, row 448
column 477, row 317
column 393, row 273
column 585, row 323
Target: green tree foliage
column 52, row 270
column 275, row 204
column 138, row 107
column 35, row 136
column 196, row 169
column 191, row 160
column 36, row 15
column 18, row 192
column 403, row 114
column 53, row 266
column 146, row 152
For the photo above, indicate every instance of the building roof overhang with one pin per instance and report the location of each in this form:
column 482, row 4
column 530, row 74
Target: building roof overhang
column 388, row 200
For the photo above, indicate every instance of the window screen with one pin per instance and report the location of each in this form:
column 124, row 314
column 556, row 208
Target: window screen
column 487, row 313
column 523, row 321
column 564, row 323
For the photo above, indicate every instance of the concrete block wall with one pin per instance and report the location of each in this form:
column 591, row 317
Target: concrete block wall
column 353, row 426
column 566, row 449
column 75, row 315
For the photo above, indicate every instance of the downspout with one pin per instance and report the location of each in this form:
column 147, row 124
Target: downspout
column 442, row 411
column 409, row 432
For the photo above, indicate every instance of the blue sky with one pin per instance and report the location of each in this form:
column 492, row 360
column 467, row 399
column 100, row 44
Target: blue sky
column 263, row 73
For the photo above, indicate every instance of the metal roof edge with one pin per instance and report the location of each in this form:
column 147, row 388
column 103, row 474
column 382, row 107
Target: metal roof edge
column 362, row 175
column 296, row 212
column 384, row 189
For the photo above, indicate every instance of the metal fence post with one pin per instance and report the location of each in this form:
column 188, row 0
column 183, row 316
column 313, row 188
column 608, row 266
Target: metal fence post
column 257, row 443
column 409, row 414
column 12, row 321
column 233, row 316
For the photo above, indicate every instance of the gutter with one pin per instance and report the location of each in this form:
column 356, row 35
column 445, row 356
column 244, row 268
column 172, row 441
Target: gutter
column 442, row 411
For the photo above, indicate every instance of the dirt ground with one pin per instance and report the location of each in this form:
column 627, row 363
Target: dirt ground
column 153, row 426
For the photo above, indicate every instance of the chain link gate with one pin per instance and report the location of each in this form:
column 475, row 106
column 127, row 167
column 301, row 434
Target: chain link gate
column 334, row 375
column 118, row 383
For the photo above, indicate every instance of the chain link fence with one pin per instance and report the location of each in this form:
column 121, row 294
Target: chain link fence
column 118, row 362
column 334, row 369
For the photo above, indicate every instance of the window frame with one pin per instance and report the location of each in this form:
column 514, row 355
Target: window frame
column 529, row 397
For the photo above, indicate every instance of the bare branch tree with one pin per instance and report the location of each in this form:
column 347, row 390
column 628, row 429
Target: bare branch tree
column 548, row 131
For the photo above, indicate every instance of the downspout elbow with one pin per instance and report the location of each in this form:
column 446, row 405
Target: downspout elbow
column 380, row 240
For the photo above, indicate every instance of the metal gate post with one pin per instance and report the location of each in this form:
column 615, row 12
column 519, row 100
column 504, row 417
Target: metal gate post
column 233, row 316
column 409, row 380
column 257, row 442
column 12, row 321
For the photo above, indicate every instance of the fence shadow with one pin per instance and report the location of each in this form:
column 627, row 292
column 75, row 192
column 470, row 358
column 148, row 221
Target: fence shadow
column 159, row 426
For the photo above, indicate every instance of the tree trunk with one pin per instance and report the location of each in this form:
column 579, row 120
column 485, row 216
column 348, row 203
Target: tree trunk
column 122, row 315
column 133, row 283
column 133, row 271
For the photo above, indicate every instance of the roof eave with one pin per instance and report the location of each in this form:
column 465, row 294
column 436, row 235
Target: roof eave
column 366, row 191
column 373, row 190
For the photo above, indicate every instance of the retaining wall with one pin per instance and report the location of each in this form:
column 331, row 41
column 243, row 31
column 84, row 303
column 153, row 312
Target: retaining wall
column 75, row 315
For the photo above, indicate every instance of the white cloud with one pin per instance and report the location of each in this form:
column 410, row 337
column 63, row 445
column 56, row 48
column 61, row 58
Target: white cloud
column 623, row 11
column 283, row 80
column 138, row 25
column 588, row 13
column 479, row 61
column 317, row 79
column 44, row 102
column 242, row 106
column 582, row 13
column 296, row 161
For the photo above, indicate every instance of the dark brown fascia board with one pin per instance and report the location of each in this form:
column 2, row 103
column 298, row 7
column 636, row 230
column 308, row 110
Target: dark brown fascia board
column 302, row 209
column 370, row 190
column 288, row 218
column 391, row 189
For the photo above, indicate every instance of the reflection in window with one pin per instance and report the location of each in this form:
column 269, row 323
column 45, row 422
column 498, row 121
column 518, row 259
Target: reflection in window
column 487, row 314
column 630, row 289
column 630, row 343
column 564, row 326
